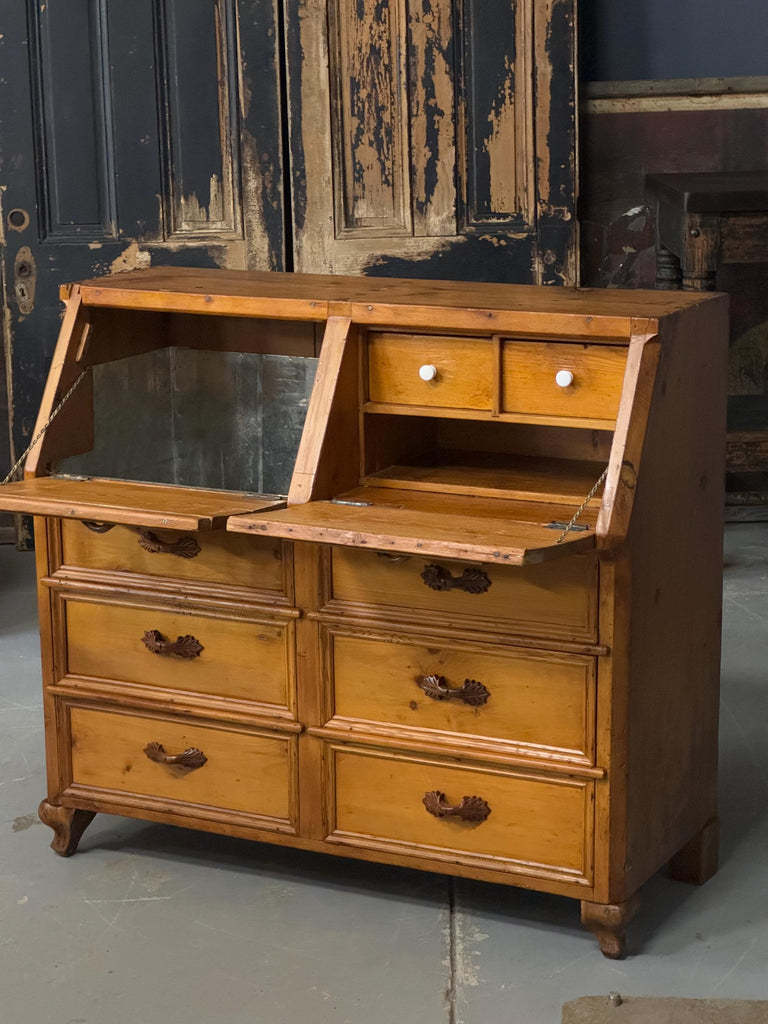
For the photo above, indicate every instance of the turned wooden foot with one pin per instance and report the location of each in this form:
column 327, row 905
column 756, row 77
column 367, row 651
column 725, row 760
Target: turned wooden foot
column 68, row 825
column 608, row 923
column 697, row 861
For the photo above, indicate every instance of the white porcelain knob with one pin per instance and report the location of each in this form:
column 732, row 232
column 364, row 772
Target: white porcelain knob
column 564, row 378
column 428, row 371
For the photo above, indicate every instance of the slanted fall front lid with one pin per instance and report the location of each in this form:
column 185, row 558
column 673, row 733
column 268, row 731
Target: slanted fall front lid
column 135, row 504
column 438, row 525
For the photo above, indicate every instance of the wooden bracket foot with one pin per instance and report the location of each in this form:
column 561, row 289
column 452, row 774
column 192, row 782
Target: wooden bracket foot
column 608, row 923
column 68, row 824
column 697, row 861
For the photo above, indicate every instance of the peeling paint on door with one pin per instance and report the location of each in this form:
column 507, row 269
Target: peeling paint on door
column 131, row 258
column 431, row 136
column 501, row 147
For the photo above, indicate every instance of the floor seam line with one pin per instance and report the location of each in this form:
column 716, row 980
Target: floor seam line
column 452, row 947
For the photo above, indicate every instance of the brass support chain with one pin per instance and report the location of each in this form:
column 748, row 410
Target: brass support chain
column 572, row 521
column 44, row 427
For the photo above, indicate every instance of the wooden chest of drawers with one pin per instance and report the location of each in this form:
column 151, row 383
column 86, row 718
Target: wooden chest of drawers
column 479, row 634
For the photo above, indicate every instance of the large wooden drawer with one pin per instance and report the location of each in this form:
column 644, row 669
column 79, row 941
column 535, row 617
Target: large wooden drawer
column 463, row 371
column 538, row 703
column 244, row 771
column 530, row 380
column 536, row 825
column 246, row 659
column 213, row 556
column 557, row 598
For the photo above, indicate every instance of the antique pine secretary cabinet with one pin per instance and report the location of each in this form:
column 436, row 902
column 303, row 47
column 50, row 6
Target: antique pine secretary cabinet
column 475, row 632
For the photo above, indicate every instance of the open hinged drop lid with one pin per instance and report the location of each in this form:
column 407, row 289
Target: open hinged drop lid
column 134, row 504
column 439, row 525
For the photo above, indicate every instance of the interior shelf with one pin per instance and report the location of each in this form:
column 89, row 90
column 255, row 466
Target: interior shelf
column 490, row 474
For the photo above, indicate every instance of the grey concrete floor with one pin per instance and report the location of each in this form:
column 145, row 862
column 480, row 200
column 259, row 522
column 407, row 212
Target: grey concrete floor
column 158, row 925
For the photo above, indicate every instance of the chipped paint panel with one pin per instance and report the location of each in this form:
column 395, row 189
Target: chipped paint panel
column 554, row 49
column 472, row 111
column 499, row 257
column 216, row 216
column 132, row 258
column 199, row 85
column 555, row 106
column 369, row 115
column 501, row 148
column 495, row 67
column 432, row 67
column 310, row 135
column 262, row 113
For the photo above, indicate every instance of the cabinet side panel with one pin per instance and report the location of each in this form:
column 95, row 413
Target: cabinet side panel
column 675, row 549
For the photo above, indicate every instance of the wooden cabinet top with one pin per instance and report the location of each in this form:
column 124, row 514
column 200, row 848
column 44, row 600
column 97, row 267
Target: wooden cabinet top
column 491, row 308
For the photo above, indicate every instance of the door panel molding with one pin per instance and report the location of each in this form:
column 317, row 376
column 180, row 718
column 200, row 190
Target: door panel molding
column 71, row 110
column 496, row 116
column 369, row 117
column 198, row 88
column 482, row 184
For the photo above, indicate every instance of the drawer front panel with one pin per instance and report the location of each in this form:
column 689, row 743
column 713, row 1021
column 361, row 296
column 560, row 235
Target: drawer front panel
column 464, row 371
column 539, row 700
column 536, row 822
column 217, row 557
column 247, row 772
column 555, row 598
column 529, row 372
column 240, row 659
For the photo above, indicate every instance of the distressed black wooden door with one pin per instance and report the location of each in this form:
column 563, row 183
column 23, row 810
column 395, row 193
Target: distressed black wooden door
column 133, row 132
column 424, row 138
column 434, row 138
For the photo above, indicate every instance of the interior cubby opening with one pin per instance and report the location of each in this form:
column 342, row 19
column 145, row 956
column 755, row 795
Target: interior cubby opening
column 209, row 401
column 483, row 458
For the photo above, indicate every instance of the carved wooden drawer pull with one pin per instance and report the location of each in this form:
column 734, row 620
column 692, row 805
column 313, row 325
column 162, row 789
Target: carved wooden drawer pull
column 471, row 581
column 184, row 547
column 96, row 527
column 471, row 808
column 183, row 646
column 190, row 758
column 472, row 692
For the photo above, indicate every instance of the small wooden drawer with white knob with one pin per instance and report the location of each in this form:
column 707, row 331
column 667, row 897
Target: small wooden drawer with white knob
column 543, row 380
column 430, row 371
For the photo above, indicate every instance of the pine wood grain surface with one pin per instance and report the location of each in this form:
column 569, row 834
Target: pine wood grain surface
column 225, row 558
